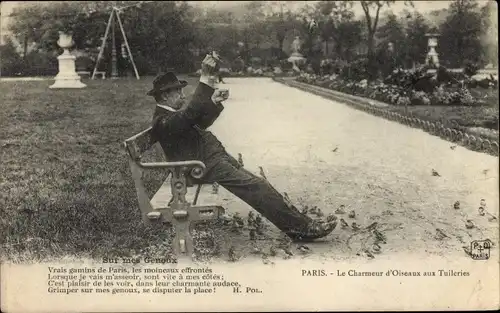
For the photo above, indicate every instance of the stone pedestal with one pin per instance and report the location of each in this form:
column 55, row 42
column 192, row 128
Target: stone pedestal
column 67, row 76
column 296, row 59
column 432, row 55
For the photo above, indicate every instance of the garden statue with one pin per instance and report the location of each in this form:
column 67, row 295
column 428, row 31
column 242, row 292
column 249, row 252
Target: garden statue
column 296, row 58
column 432, row 58
column 67, row 76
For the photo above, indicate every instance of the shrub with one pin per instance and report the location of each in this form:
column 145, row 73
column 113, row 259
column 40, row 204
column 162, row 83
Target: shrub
column 356, row 70
column 11, row 64
column 471, row 68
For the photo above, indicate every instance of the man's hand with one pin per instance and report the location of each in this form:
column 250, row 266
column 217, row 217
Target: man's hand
column 209, row 65
column 220, row 95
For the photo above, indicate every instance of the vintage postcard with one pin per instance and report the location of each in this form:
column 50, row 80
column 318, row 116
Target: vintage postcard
column 249, row 156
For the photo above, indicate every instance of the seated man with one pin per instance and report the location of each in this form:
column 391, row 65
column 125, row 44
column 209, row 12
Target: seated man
column 180, row 127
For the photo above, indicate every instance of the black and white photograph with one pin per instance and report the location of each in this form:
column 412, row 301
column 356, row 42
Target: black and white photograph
column 249, row 156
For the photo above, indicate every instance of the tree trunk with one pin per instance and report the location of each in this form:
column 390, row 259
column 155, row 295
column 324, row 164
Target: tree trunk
column 25, row 48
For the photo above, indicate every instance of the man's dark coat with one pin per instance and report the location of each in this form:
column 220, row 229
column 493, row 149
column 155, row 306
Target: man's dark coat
column 183, row 135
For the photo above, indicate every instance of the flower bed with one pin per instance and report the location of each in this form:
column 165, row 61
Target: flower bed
column 455, row 106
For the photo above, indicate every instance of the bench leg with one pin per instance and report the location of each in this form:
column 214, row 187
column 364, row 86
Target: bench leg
column 183, row 241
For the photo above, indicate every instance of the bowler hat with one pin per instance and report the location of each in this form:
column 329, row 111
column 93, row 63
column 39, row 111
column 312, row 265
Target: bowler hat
column 164, row 82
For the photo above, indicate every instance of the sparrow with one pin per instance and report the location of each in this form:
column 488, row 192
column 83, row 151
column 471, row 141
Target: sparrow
column 273, row 251
column 453, row 147
column 304, row 249
column 456, row 205
column 435, row 173
column 215, row 188
column 266, row 260
column 335, row 150
column 379, row 236
column 352, row 214
column 239, row 221
column 372, row 226
column 343, row 223
column 440, row 235
column 467, row 250
column 369, row 254
column 320, row 213
column 469, row 224
column 376, row 248
column 250, row 218
column 481, row 211
column 255, row 249
column 355, row 226
column 262, row 173
column 331, row 218
column 482, row 203
column 252, row 234
column 485, row 172
column 288, row 252
column 240, row 159
column 232, row 254
column 340, row 210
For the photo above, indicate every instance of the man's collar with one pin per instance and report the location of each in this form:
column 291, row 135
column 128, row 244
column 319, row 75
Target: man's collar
column 166, row 107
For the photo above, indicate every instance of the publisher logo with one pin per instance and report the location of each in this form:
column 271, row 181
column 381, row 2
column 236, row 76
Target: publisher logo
column 480, row 249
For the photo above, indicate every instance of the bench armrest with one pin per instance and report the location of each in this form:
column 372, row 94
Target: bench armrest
column 197, row 167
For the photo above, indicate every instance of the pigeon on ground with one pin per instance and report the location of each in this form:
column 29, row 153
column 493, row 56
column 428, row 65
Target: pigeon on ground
column 352, row 214
column 335, row 150
column 369, row 254
column 355, row 226
column 232, row 254
column 304, row 249
column 453, row 147
column 435, row 173
column 319, row 213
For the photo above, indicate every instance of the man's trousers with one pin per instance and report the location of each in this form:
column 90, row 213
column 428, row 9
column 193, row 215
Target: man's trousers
column 256, row 192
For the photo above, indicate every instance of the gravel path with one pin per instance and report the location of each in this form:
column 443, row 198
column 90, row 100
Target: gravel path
column 380, row 169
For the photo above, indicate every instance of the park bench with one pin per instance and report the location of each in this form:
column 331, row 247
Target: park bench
column 170, row 204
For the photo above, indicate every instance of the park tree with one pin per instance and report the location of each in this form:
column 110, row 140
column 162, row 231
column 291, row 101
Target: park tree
column 279, row 20
column 460, row 40
column 489, row 32
column 393, row 33
column 416, row 31
column 336, row 22
column 371, row 10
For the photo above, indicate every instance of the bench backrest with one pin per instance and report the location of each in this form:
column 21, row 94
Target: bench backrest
column 140, row 143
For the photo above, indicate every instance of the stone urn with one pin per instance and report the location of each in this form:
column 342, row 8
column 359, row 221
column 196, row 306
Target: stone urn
column 296, row 58
column 67, row 76
column 432, row 55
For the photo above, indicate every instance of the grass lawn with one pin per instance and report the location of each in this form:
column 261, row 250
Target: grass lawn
column 65, row 184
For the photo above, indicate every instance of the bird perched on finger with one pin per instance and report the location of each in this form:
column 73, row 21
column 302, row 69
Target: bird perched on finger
column 435, row 173
column 240, row 159
column 343, row 223
column 262, row 173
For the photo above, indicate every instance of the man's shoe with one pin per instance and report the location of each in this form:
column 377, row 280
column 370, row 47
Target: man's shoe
column 314, row 230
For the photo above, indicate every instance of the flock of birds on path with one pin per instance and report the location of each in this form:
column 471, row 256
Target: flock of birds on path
column 256, row 225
